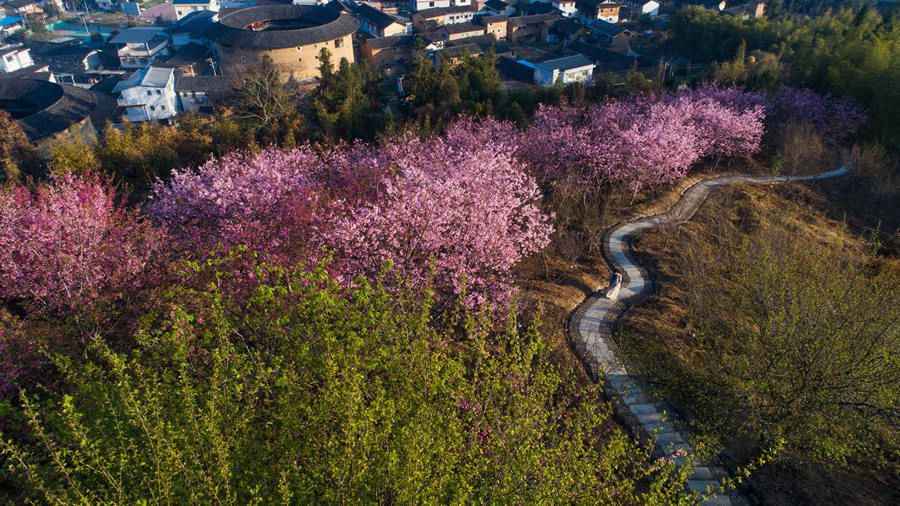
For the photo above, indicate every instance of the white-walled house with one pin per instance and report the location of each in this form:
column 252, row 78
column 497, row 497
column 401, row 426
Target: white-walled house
column 421, row 5
column 13, row 59
column 140, row 45
column 185, row 7
column 569, row 69
column 567, row 7
column 148, row 94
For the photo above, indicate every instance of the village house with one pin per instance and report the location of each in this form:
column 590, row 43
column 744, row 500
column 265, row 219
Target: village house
column 386, row 51
column 192, row 29
column 190, row 60
column 431, row 18
column 378, row 24
column 10, row 25
column 14, row 59
column 537, row 26
column 566, row 70
column 615, row 37
column 70, row 62
column 148, row 94
column 185, row 7
column 22, row 8
column 454, row 55
column 640, row 8
column 599, row 9
column 499, row 8
column 495, row 25
column 420, row 5
column 201, row 93
column 567, row 7
column 140, row 46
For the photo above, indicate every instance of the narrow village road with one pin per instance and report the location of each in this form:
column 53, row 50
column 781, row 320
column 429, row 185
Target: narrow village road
column 591, row 326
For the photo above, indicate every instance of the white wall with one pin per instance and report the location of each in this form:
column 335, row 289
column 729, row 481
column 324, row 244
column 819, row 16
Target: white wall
column 15, row 60
column 153, row 103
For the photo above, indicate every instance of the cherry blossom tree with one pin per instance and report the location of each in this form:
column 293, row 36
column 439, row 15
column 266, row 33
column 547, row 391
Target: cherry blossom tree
column 268, row 201
column 70, row 245
column 459, row 214
column 834, row 118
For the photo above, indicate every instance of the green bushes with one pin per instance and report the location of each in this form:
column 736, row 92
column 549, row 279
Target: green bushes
column 301, row 393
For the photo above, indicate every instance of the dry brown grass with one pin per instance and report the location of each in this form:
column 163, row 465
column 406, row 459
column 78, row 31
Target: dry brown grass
column 661, row 323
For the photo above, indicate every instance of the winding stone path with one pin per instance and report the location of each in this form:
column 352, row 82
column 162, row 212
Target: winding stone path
column 591, row 328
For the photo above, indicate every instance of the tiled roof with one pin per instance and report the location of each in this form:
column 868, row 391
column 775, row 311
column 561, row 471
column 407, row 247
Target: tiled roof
column 51, row 107
column 315, row 24
column 375, row 16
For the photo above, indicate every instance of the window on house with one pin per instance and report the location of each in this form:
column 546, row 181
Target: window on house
column 338, row 43
column 9, row 58
column 162, row 108
column 243, row 59
column 159, row 92
column 149, row 92
column 152, row 108
column 194, row 94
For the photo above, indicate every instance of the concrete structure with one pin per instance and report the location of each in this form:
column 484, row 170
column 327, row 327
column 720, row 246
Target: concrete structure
column 15, row 58
column 289, row 36
column 148, row 94
column 566, row 70
column 140, row 45
column 185, row 7
column 48, row 111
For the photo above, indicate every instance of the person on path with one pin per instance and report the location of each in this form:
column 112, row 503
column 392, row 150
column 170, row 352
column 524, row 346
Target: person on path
column 615, row 283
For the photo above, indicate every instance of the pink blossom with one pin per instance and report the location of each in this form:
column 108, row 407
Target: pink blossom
column 69, row 243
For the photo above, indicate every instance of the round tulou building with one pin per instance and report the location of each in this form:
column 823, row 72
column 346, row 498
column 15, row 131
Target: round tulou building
column 291, row 36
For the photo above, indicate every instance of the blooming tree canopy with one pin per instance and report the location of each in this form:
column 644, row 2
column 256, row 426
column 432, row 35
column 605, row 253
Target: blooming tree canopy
column 465, row 212
column 70, row 244
column 267, row 201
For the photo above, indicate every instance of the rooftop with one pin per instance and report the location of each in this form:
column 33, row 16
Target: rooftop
column 443, row 11
column 203, row 83
column 190, row 2
column 609, row 29
column 279, row 26
column 18, row 4
column 566, row 63
column 534, row 20
column 187, row 55
column 377, row 17
column 137, row 35
column 393, row 41
column 44, row 108
column 10, row 20
column 152, row 77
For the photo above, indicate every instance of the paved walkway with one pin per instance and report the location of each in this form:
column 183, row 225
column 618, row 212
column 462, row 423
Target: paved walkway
column 592, row 323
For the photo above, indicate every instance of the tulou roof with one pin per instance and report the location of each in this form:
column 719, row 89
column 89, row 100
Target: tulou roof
column 280, row 26
column 44, row 108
